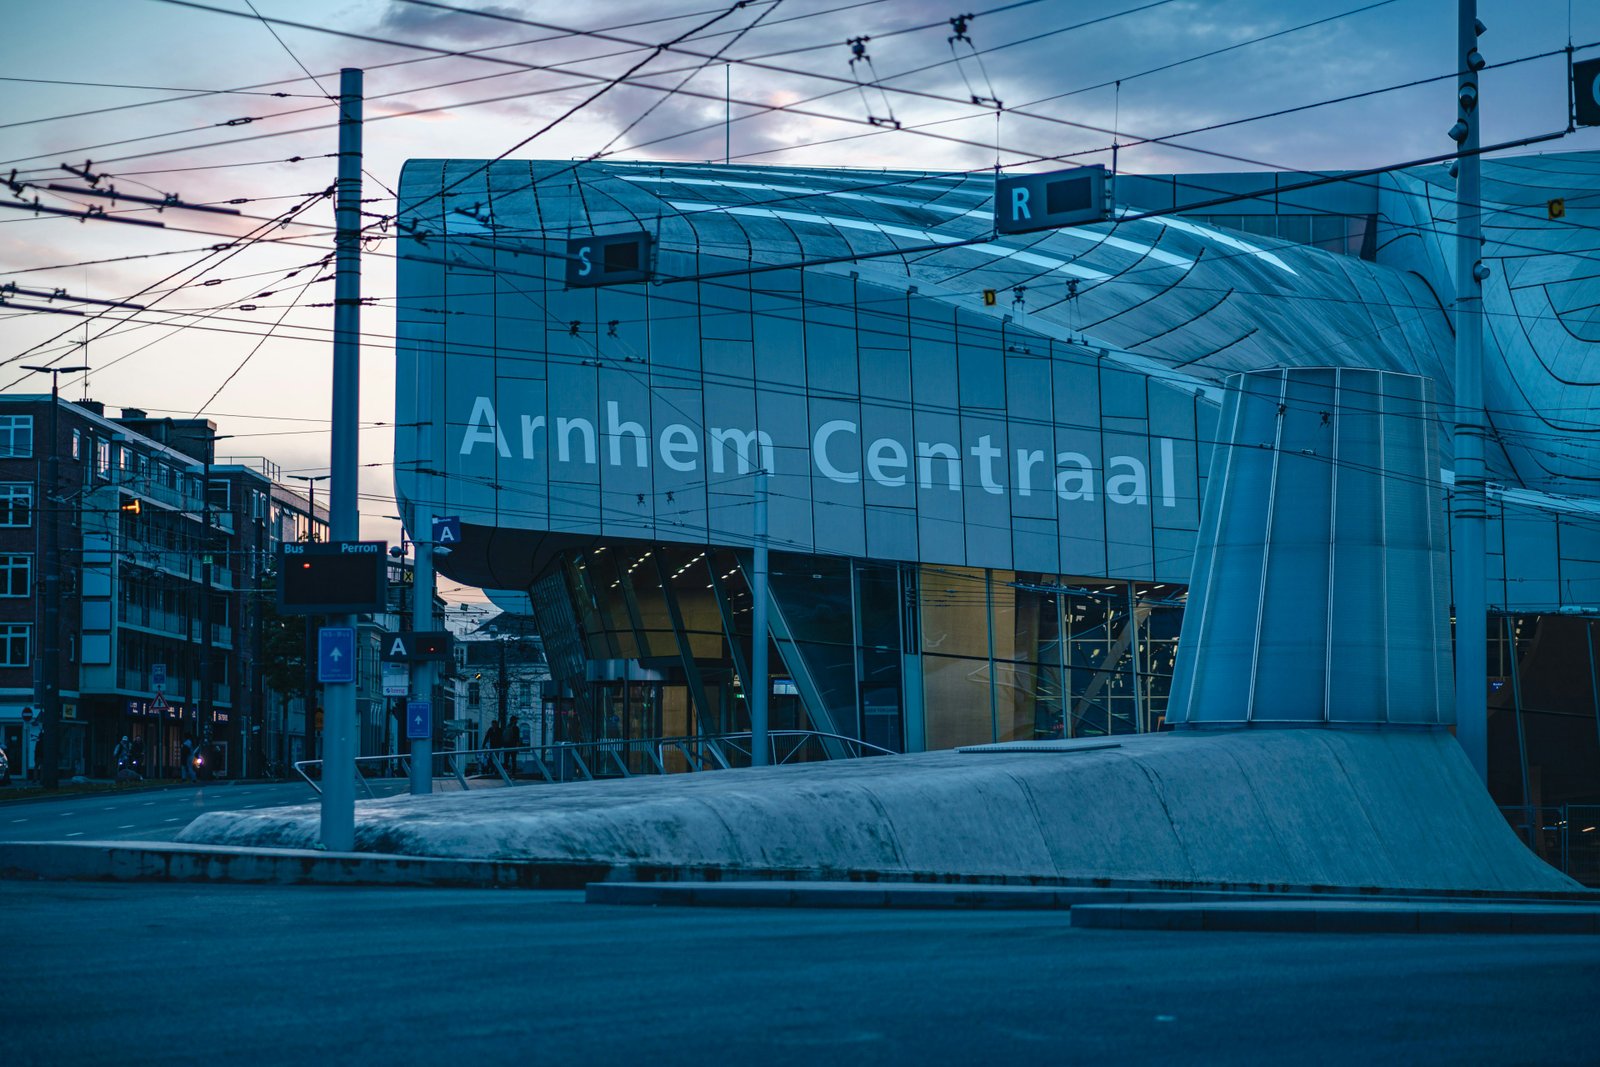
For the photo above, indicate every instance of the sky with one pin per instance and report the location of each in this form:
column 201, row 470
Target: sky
column 172, row 98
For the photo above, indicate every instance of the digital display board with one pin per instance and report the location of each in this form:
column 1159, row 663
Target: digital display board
column 333, row 578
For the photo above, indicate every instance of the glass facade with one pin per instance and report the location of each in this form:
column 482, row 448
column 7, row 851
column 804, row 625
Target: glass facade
column 902, row 656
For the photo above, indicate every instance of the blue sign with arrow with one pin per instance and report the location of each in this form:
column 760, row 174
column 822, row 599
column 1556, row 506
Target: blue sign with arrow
column 419, row 720
column 336, row 654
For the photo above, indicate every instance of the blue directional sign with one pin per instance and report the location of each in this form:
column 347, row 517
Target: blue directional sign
column 447, row 531
column 158, row 676
column 336, row 654
column 419, row 720
column 1027, row 202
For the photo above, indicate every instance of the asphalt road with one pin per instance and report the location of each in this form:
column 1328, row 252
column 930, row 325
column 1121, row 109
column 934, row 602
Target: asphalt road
column 149, row 814
column 141, row 973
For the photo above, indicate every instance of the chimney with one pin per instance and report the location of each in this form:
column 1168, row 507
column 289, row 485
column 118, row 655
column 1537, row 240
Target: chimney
column 93, row 406
column 135, row 413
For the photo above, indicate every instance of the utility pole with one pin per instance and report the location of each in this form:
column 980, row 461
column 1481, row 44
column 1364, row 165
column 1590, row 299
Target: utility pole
column 1469, row 515
column 48, row 699
column 759, row 685
column 422, row 670
column 339, row 701
column 205, row 714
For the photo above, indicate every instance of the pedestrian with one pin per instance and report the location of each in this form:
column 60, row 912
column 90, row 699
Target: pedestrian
column 491, row 741
column 186, row 760
column 511, row 738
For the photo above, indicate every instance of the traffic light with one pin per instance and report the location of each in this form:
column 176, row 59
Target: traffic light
column 132, row 506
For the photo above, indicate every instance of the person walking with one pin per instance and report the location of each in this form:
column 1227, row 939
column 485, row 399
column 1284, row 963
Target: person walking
column 186, row 761
column 491, row 741
column 511, row 740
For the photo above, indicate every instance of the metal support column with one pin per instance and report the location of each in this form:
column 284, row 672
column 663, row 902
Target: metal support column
column 758, row 683
column 1468, row 515
column 339, row 709
column 422, row 671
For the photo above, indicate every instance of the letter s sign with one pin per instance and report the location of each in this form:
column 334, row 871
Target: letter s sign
column 585, row 267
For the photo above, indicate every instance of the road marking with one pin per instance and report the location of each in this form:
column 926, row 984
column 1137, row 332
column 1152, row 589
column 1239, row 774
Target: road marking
column 129, row 826
column 64, row 814
column 173, row 819
column 76, row 833
column 19, row 820
column 109, row 807
column 149, row 803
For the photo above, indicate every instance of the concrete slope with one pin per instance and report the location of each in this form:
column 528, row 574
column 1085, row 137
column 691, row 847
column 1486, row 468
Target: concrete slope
column 1306, row 807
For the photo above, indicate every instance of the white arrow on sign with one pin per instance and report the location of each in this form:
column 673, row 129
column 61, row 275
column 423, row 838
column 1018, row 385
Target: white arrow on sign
column 336, row 655
column 418, row 720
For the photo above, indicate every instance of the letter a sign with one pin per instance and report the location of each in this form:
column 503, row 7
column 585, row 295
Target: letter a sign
column 447, row 531
column 394, row 648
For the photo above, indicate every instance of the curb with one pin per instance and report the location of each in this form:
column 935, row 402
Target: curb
column 900, row 896
column 149, row 861
column 1334, row 917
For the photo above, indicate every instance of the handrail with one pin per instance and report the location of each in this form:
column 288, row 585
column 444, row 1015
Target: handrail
column 605, row 756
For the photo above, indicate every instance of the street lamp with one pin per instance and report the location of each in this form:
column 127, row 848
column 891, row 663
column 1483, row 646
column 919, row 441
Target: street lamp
column 48, row 695
column 311, row 481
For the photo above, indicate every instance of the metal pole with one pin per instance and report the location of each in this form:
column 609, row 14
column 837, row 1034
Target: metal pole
column 50, row 655
column 202, row 719
column 422, row 672
column 758, row 682
column 1469, row 515
column 48, row 696
column 339, row 704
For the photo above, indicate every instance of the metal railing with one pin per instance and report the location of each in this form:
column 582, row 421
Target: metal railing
column 587, row 761
column 1566, row 836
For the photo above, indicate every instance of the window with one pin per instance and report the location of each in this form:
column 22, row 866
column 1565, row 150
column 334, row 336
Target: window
column 16, row 435
column 77, row 444
column 102, row 458
column 218, row 494
column 474, row 694
column 16, row 504
column 14, row 644
column 15, row 572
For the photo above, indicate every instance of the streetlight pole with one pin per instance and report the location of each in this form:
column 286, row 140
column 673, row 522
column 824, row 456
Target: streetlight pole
column 49, row 695
column 339, row 698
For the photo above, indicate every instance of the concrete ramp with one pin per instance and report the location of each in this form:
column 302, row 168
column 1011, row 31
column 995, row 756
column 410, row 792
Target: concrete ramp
column 1393, row 809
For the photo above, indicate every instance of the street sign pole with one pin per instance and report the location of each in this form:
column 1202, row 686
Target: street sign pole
column 422, row 670
column 339, row 708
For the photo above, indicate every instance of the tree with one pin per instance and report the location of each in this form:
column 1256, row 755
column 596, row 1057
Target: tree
column 283, row 645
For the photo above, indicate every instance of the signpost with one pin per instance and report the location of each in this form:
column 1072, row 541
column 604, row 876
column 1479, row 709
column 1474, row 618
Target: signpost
column 447, row 531
column 1586, row 92
column 158, row 677
column 609, row 260
column 333, row 578
column 419, row 720
column 336, row 655
column 396, row 679
column 1027, row 202
column 412, row 646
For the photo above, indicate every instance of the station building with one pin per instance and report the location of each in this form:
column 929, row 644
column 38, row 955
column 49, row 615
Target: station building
column 986, row 456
